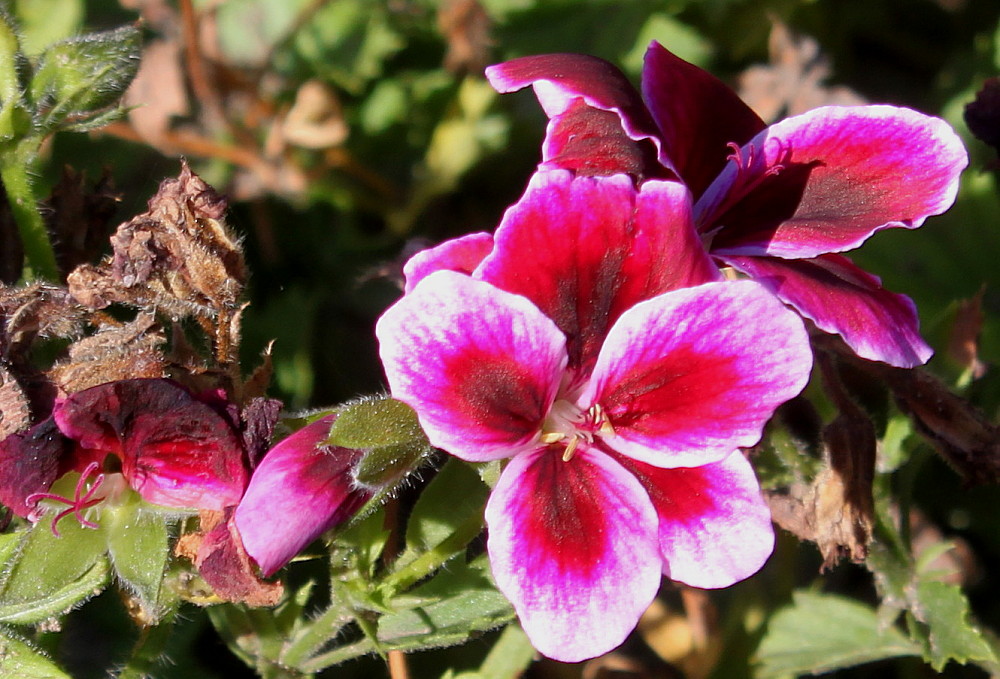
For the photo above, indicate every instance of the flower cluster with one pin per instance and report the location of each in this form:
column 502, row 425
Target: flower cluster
column 593, row 341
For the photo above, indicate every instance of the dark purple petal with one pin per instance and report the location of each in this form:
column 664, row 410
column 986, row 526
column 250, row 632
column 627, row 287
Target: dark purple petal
column 697, row 115
column 573, row 546
column 841, row 298
column 714, row 526
column 824, row 181
column 30, row 462
column 300, row 490
column 580, row 137
column 175, row 450
column 586, row 249
column 688, row 377
column 480, row 366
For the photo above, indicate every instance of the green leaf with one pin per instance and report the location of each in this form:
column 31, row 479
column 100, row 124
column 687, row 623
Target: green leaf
column 465, row 601
column 945, row 611
column 48, row 575
column 81, row 76
column 821, row 632
column 137, row 545
column 19, row 659
column 455, row 494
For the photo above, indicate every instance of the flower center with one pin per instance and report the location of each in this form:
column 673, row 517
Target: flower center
column 748, row 177
column 570, row 424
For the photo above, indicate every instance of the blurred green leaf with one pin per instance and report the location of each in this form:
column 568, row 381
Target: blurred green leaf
column 508, row 659
column 19, row 659
column 250, row 29
column 44, row 22
column 822, row 632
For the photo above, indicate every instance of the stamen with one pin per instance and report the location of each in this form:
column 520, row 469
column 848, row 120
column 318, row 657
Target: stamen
column 746, row 180
column 83, row 499
column 570, row 449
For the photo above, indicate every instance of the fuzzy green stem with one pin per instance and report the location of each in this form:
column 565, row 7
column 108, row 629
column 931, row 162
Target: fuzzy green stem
column 40, row 258
column 313, row 636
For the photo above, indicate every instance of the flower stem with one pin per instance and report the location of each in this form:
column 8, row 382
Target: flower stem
column 40, row 259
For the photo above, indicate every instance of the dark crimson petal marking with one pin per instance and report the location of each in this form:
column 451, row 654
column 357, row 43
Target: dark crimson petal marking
column 573, row 546
column 586, row 249
column 30, row 462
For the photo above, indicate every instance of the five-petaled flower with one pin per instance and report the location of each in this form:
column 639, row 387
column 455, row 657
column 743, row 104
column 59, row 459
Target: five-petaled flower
column 574, row 347
column 776, row 203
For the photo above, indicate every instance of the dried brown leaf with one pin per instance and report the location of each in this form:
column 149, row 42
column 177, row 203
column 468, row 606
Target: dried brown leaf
column 121, row 352
column 466, row 26
column 793, row 82
column 158, row 93
column 15, row 410
column 963, row 338
column 316, row 119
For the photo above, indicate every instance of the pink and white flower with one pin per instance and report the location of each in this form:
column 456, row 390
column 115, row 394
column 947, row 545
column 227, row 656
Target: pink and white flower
column 777, row 203
column 620, row 395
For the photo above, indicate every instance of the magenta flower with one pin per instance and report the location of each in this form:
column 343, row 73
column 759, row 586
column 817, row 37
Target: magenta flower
column 776, row 203
column 300, row 490
column 173, row 448
column 621, row 400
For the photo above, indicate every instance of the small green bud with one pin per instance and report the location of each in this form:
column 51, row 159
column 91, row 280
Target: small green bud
column 80, row 77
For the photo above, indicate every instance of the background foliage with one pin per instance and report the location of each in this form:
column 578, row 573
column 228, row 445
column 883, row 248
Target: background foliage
column 348, row 134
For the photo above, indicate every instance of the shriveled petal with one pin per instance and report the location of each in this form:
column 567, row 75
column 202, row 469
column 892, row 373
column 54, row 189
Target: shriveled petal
column 175, row 450
column 837, row 175
column 586, row 249
column 689, row 376
column 462, row 254
column 573, row 546
column 715, row 528
column 698, row 115
column 577, row 138
column 30, row 462
column 841, row 298
column 300, row 490
column 479, row 365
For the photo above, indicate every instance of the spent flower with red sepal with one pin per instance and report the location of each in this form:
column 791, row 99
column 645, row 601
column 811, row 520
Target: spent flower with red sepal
column 174, row 449
column 621, row 395
column 777, row 203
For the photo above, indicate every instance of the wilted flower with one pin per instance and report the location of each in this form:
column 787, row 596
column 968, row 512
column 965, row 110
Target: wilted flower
column 776, row 203
column 621, row 399
column 173, row 448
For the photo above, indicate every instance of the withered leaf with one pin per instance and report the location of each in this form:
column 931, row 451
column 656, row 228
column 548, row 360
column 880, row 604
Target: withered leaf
column 218, row 553
column 959, row 431
column 466, row 26
column 15, row 411
column 963, row 338
column 793, row 82
column 115, row 352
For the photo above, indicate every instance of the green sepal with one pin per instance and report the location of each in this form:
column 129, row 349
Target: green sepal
column 80, row 77
column 18, row 658
column 137, row 541
column 46, row 576
column 822, row 632
column 390, row 435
